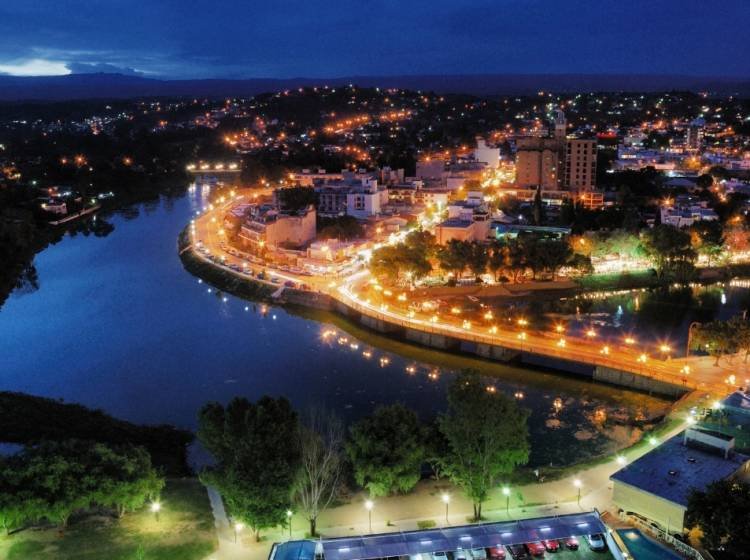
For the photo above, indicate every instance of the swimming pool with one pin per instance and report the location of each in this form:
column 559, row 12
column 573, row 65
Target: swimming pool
column 642, row 547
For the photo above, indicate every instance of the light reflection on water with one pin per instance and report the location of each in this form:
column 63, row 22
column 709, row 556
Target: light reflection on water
column 118, row 324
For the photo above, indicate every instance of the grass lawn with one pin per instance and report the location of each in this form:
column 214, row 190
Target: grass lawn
column 185, row 531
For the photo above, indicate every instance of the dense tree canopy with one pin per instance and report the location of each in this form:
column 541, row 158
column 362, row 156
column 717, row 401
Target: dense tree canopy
column 387, row 450
column 670, row 250
column 53, row 480
column 721, row 513
column 257, row 455
column 487, row 437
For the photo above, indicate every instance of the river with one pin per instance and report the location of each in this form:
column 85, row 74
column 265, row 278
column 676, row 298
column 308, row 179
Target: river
column 116, row 323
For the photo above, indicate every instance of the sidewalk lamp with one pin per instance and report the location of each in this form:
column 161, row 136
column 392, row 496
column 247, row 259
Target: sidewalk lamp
column 577, row 483
column 621, row 460
column 368, row 506
column 506, row 493
column 446, row 500
column 237, row 528
column 156, row 508
column 289, row 521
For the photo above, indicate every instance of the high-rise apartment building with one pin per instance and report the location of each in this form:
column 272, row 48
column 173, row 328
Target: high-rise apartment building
column 556, row 162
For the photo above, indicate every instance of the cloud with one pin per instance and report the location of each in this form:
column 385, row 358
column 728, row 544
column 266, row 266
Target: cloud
column 35, row 67
column 101, row 68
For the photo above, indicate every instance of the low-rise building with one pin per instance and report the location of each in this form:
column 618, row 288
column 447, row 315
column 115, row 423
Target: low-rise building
column 266, row 228
column 657, row 485
column 685, row 211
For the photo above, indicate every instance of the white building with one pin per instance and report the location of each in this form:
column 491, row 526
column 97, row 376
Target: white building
column 486, row 154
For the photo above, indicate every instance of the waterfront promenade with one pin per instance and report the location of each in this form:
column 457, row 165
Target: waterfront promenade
column 605, row 360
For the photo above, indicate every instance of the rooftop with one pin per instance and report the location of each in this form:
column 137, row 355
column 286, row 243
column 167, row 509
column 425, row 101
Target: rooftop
column 484, row 535
column 672, row 470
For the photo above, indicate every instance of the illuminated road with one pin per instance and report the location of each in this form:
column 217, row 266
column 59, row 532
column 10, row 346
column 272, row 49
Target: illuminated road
column 691, row 373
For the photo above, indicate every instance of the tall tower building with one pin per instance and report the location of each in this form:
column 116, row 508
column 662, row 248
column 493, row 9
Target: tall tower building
column 560, row 125
column 556, row 162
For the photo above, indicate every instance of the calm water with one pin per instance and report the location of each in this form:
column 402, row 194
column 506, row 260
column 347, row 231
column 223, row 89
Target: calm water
column 118, row 324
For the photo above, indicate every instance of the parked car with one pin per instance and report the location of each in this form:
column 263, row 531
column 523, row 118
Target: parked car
column 416, row 557
column 596, row 542
column 461, row 554
column 439, row 556
column 571, row 543
column 535, row 548
column 479, row 554
column 551, row 545
column 496, row 552
column 518, row 552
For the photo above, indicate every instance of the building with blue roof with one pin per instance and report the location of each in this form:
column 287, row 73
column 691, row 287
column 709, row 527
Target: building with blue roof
column 657, row 485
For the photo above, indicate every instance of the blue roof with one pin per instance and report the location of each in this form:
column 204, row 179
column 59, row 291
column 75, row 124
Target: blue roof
column 672, row 470
column 483, row 535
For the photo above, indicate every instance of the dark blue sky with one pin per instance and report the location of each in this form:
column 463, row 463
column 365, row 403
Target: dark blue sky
column 317, row 38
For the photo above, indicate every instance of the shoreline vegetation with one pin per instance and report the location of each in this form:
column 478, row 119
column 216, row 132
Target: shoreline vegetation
column 29, row 419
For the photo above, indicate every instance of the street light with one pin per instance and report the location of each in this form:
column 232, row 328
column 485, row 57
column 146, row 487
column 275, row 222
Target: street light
column 621, row 460
column 368, row 506
column 289, row 521
column 446, row 500
column 506, row 493
column 237, row 528
column 156, row 508
column 577, row 483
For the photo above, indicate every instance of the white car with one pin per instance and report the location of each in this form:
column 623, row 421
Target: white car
column 439, row 556
column 461, row 554
column 596, row 542
column 479, row 553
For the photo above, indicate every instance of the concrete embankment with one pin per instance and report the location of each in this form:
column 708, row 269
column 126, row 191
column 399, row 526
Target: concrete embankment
column 249, row 288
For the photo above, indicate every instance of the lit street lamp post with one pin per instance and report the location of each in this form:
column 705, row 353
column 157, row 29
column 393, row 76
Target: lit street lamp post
column 155, row 508
column 289, row 521
column 237, row 528
column 446, row 500
column 577, row 484
column 506, row 493
column 368, row 506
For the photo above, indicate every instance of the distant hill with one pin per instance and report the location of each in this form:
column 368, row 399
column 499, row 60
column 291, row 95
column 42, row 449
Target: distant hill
column 119, row 86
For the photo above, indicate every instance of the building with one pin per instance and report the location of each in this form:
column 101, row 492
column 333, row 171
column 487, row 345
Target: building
column 694, row 135
column 487, row 154
column 461, row 229
column 455, row 541
column 266, row 228
column 657, row 485
column 360, row 197
column 580, row 165
column 556, row 162
column 684, row 211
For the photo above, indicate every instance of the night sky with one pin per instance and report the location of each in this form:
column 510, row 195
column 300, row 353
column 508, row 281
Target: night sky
column 316, row 38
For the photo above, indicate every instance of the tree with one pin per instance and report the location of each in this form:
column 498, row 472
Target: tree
column 487, row 437
column 707, row 238
column 538, row 207
column 718, row 338
column 553, row 254
column 54, row 479
column 721, row 513
column 387, row 450
column 294, row 199
column 478, row 257
column 498, row 259
column 321, row 439
column 454, row 256
column 257, row 455
column 670, row 251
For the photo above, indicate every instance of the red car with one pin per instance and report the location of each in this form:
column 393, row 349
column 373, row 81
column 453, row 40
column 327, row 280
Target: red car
column 571, row 543
column 551, row 545
column 497, row 552
column 535, row 548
